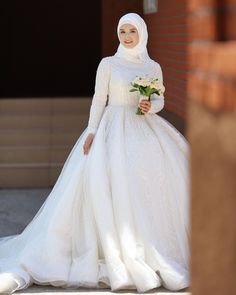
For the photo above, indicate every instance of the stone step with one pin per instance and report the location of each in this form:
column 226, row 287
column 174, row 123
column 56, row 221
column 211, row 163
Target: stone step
column 29, row 177
column 23, row 137
column 50, row 121
column 33, row 154
column 36, row 136
column 45, row 105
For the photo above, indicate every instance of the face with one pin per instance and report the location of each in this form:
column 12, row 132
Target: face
column 128, row 35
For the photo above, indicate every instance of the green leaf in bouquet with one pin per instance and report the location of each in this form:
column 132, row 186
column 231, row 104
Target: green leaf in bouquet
column 135, row 85
column 142, row 91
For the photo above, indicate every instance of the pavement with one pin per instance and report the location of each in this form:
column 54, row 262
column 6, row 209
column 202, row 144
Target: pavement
column 82, row 291
column 17, row 209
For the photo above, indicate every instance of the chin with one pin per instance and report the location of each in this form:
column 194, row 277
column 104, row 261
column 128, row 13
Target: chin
column 129, row 45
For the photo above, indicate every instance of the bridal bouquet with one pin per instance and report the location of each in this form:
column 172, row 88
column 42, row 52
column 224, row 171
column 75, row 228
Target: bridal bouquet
column 146, row 87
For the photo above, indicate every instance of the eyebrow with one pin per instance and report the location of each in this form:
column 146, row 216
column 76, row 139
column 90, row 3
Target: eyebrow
column 129, row 29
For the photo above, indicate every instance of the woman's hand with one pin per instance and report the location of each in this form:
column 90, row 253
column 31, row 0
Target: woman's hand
column 88, row 142
column 145, row 105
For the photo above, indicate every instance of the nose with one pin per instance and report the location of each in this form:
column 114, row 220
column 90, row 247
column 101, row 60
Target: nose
column 127, row 35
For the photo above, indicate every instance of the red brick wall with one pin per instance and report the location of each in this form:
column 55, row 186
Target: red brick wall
column 212, row 63
column 168, row 45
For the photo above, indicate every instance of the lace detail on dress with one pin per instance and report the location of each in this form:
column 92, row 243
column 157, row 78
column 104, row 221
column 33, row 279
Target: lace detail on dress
column 113, row 79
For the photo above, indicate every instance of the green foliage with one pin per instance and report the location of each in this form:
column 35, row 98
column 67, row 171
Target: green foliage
column 144, row 90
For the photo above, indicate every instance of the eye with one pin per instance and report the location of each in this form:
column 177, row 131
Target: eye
column 122, row 32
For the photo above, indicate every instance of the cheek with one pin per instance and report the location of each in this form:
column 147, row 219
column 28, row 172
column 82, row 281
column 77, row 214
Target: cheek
column 136, row 39
column 121, row 38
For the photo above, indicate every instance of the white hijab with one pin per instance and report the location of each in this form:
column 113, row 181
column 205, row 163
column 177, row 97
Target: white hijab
column 139, row 52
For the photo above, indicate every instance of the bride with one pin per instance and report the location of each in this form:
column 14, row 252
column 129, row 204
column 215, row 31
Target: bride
column 118, row 214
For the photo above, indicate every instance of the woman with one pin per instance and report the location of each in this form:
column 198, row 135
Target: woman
column 117, row 216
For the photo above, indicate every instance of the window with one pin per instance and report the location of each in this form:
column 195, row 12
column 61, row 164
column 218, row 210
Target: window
column 149, row 6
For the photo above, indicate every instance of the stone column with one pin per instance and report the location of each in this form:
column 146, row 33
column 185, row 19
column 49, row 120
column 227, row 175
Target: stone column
column 212, row 134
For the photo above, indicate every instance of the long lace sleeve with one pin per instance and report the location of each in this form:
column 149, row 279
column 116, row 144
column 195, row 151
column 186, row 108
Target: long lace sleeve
column 100, row 95
column 157, row 101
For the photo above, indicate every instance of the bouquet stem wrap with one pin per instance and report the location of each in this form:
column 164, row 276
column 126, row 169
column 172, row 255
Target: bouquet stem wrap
column 142, row 97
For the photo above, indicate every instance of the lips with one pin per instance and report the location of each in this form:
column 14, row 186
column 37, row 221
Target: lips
column 128, row 42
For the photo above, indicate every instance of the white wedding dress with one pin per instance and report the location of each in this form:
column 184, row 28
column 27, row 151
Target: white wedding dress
column 119, row 216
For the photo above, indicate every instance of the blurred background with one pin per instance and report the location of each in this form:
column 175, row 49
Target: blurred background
column 48, row 59
column 49, row 54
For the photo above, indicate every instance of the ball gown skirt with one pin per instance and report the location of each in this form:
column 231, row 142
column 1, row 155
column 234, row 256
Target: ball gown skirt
column 115, row 218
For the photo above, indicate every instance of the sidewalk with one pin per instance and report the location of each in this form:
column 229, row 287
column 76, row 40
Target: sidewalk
column 46, row 290
column 18, row 207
